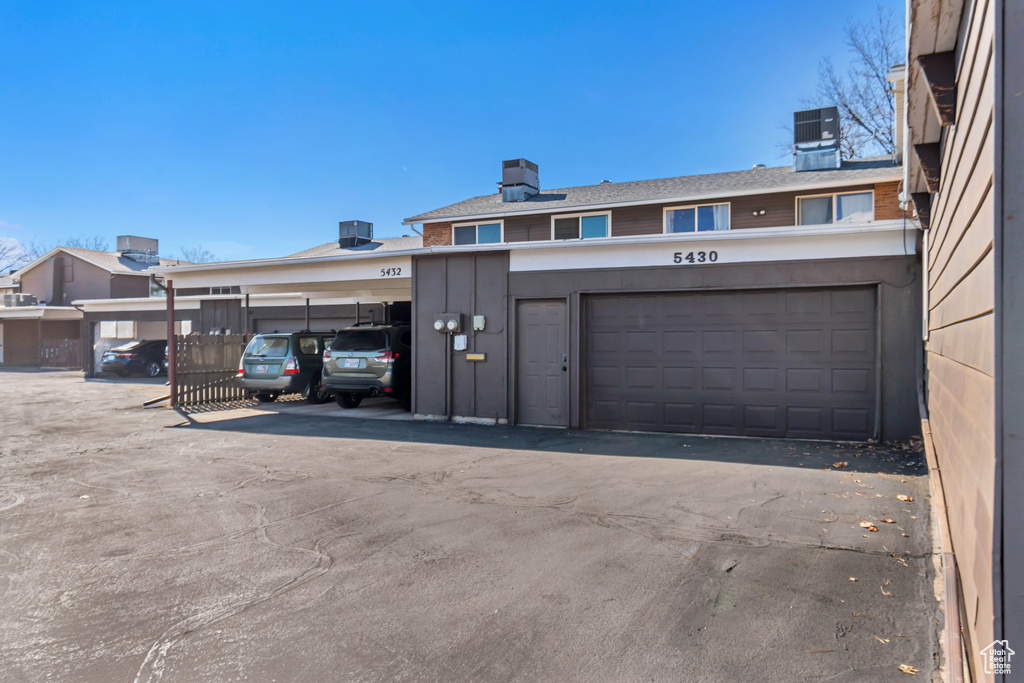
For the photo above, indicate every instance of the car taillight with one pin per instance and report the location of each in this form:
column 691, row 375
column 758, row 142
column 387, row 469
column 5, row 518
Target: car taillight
column 327, row 354
column 291, row 367
column 241, row 367
column 126, row 355
column 387, row 356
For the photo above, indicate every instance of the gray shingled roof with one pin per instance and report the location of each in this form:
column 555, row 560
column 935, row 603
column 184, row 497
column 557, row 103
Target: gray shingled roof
column 777, row 179
column 376, row 246
column 113, row 262
column 7, row 282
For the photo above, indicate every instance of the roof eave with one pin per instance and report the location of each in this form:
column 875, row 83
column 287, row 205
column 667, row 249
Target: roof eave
column 657, row 200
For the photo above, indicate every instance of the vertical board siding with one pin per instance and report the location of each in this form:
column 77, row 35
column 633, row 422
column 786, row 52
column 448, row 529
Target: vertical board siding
column 960, row 352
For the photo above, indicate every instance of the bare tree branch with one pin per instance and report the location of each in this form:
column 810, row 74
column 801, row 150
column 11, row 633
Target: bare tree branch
column 12, row 254
column 197, row 254
column 866, row 104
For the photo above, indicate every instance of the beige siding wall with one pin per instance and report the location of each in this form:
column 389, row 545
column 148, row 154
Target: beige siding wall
column 960, row 350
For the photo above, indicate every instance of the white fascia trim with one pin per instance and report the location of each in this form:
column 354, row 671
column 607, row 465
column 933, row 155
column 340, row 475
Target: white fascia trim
column 40, row 312
column 169, row 271
column 689, row 199
column 136, row 304
column 722, row 247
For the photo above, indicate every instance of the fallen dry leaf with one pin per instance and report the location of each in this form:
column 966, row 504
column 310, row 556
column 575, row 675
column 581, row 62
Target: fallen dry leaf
column 853, row 578
column 840, row 465
column 905, row 499
column 907, row 669
column 887, row 520
column 905, row 535
column 869, row 526
column 882, row 640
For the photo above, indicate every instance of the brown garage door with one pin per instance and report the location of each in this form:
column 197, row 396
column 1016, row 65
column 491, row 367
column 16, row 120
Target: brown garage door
column 795, row 363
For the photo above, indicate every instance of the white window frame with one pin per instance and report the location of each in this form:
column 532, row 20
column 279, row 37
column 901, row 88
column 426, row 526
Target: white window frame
column 835, row 204
column 664, row 217
column 581, row 216
column 477, row 225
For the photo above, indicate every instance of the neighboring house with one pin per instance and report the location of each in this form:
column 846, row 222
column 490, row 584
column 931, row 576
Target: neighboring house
column 965, row 144
column 7, row 286
column 42, row 327
column 766, row 302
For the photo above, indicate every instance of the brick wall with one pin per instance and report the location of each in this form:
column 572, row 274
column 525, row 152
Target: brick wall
column 887, row 202
column 437, row 234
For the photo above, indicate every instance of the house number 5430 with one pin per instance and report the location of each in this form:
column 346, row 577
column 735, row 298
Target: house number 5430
column 695, row 257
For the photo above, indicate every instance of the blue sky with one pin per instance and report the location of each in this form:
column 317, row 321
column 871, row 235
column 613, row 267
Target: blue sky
column 253, row 128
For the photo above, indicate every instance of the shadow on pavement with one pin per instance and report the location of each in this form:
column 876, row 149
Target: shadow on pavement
column 900, row 458
column 131, row 379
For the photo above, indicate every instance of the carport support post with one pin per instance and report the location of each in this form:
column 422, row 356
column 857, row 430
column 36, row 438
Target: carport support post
column 172, row 346
column 307, row 313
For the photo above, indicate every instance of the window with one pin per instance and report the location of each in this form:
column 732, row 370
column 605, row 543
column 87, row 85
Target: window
column 701, row 218
column 309, row 346
column 225, row 290
column 849, row 207
column 479, row 233
column 268, row 347
column 579, row 227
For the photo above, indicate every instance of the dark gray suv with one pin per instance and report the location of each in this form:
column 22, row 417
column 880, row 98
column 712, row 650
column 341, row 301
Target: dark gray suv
column 285, row 363
column 370, row 359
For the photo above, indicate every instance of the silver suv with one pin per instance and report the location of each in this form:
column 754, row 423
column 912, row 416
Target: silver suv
column 370, row 359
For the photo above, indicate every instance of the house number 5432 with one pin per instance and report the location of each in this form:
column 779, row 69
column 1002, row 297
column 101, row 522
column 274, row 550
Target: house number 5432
column 390, row 272
column 695, row 257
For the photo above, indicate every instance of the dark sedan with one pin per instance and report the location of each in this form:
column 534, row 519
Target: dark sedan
column 145, row 357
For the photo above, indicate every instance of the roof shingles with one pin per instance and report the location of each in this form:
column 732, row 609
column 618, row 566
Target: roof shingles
column 777, row 179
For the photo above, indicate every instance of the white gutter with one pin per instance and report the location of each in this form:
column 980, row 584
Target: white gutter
column 169, row 271
column 658, row 200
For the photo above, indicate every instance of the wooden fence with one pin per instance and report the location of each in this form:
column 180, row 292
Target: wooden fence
column 61, row 353
column 206, row 367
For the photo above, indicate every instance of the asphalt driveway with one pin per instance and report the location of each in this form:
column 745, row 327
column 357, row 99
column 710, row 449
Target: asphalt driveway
column 270, row 545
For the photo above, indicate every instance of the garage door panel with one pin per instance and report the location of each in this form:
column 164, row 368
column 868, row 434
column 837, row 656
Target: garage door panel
column 681, row 416
column 767, row 363
column 641, row 342
column 761, row 304
column 852, row 342
column 760, row 379
column 804, row 304
column 679, row 378
column 761, row 341
column 718, row 341
column 679, row 342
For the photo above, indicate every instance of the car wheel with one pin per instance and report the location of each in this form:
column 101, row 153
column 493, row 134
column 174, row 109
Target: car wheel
column 266, row 398
column 315, row 392
column 348, row 400
column 153, row 369
column 123, row 373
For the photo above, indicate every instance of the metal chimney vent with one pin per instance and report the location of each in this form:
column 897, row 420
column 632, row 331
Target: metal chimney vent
column 352, row 234
column 139, row 249
column 520, row 180
column 816, row 139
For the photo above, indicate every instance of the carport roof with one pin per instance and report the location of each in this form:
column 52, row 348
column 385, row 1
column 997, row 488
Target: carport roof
column 683, row 188
column 376, row 246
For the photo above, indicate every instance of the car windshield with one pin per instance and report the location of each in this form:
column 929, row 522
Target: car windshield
column 269, row 347
column 360, row 340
